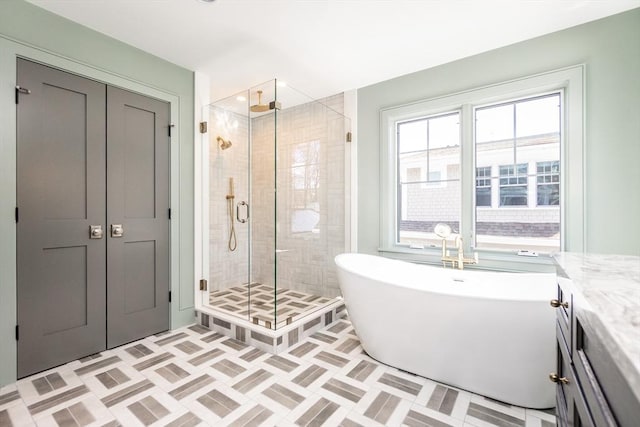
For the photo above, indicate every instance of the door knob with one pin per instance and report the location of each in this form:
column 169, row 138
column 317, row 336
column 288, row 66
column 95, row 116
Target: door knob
column 95, row 232
column 555, row 303
column 117, row 230
column 555, row 378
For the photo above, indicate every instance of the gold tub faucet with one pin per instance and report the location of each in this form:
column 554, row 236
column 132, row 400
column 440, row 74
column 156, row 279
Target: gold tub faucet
column 459, row 260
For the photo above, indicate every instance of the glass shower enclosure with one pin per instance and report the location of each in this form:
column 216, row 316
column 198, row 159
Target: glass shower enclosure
column 277, row 195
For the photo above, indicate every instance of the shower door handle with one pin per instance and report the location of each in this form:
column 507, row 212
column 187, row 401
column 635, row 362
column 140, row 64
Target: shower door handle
column 246, row 206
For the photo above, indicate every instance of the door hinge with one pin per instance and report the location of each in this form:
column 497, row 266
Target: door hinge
column 17, row 332
column 20, row 90
column 169, row 296
column 203, row 284
column 349, row 136
column 170, row 127
column 17, row 215
column 203, row 127
column 169, row 213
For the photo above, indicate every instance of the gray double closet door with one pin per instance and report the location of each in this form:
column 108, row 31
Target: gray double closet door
column 93, row 224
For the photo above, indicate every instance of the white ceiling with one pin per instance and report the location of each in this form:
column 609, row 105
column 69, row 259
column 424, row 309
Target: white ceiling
column 323, row 47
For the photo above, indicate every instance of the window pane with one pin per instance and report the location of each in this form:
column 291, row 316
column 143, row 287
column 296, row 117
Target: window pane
column 420, row 209
column 305, row 179
column 538, row 116
column 412, row 136
column 444, row 131
column 515, row 195
column 548, row 183
column 483, row 196
column 527, row 173
column 494, row 123
column 483, row 186
column 428, row 177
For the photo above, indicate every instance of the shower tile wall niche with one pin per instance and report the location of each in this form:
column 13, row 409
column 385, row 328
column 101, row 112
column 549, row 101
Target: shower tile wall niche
column 285, row 156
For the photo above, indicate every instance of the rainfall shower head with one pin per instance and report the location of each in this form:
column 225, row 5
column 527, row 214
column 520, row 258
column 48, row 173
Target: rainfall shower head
column 259, row 107
column 224, row 143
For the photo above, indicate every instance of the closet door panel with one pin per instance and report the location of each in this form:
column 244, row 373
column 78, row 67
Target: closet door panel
column 61, row 170
column 137, row 204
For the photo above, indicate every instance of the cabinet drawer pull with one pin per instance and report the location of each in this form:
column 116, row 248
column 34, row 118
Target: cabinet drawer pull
column 555, row 303
column 556, row 379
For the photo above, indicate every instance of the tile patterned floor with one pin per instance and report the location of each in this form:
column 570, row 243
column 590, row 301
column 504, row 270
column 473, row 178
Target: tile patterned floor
column 192, row 377
column 289, row 304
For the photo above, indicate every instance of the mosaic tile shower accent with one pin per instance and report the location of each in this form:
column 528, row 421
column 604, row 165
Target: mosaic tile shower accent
column 281, row 339
column 268, row 309
column 195, row 377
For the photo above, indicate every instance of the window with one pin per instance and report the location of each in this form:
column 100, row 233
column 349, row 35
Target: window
column 429, row 176
column 513, row 185
column 483, row 186
column 503, row 181
column 305, row 174
column 548, row 178
column 522, row 137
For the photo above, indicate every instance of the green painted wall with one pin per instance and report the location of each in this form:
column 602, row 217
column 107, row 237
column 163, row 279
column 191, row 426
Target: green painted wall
column 610, row 49
column 29, row 31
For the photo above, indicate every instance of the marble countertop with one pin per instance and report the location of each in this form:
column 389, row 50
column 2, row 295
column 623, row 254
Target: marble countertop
column 608, row 295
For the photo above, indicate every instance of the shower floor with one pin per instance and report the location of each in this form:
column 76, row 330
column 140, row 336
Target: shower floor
column 289, row 304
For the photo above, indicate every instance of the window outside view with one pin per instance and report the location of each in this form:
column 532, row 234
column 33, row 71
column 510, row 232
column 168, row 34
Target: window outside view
column 429, row 177
column 305, row 172
column 517, row 175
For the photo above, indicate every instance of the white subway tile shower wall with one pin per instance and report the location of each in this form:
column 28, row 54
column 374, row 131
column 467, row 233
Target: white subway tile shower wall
column 307, row 265
column 227, row 268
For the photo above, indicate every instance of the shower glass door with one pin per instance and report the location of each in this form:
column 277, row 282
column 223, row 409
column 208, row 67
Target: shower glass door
column 263, row 110
column 274, row 232
column 312, row 183
column 227, row 195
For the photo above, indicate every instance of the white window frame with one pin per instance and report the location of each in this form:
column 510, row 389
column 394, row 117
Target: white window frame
column 570, row 82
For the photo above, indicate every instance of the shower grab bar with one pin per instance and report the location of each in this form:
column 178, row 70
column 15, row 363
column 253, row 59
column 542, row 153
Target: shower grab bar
column 242, row 203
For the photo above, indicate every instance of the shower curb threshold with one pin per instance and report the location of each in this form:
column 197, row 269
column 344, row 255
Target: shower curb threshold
column 268, row 340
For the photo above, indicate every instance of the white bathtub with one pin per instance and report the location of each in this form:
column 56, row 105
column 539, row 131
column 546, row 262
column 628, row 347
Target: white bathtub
column 485, row 332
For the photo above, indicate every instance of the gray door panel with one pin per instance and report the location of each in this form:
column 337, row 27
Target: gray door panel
column 137, row 199
column 61, row 162
column 88, row 155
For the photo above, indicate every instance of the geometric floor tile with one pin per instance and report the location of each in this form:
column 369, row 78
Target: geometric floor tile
column 218, row 403
column 264, row 310
column 48, row 383
column 74, row 415
column 191, row 377
column 443, row 399
column 382, row 407
column 148, row 410
column 112, row 378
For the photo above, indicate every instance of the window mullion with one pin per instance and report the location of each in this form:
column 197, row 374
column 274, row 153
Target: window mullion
column 428, row 152
column 467, row 176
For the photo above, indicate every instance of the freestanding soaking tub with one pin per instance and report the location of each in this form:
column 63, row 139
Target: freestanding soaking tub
column 490, row 333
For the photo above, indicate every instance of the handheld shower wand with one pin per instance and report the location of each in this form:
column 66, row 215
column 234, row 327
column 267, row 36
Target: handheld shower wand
column 233, row 242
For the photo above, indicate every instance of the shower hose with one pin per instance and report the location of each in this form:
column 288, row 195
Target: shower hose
column 232, row 229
